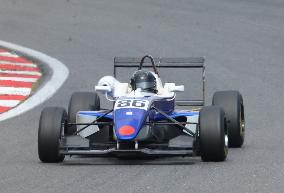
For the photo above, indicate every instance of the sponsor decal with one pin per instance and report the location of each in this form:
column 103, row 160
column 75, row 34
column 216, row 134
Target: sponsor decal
column 126, row 130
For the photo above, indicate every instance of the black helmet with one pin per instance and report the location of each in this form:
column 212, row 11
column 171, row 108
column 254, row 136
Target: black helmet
column 144, row 80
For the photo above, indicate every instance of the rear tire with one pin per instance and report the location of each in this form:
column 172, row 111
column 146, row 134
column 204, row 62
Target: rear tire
column 232, row 104
column 81, row 101
column 86, row 101
column 213, row 142
column 49, row 134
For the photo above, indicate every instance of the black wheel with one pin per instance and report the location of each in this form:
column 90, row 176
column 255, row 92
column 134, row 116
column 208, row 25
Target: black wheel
column 233, row 106
column 49, row 133
column 81, row 101
column 212, row 134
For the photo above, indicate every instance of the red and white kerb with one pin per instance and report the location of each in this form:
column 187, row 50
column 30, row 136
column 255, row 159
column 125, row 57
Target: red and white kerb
column 18, row 76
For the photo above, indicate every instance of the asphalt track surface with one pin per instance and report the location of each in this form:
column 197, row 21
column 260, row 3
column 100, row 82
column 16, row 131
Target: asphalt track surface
column 243, row 45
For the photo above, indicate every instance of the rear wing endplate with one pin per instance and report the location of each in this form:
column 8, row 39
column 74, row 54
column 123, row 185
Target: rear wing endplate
column 186, row 62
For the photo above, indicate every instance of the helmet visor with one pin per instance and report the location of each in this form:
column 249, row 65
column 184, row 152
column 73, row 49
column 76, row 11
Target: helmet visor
column 145, row 85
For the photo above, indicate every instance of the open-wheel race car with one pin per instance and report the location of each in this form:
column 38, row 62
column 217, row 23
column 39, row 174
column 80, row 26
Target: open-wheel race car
column 143, row 120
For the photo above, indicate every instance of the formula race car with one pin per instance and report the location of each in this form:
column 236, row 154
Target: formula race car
column 144, row 120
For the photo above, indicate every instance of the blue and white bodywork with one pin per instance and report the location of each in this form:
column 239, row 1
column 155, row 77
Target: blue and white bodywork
column 133, row 111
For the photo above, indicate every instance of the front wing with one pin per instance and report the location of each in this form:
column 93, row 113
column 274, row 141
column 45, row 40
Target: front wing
column 76, row 145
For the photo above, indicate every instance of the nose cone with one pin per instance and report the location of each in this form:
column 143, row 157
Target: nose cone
column 128, row 122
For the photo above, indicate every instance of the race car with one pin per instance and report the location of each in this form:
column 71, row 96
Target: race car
column 143, row 120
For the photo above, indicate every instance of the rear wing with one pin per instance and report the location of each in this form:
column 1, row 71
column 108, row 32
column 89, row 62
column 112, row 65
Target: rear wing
column 188, row 62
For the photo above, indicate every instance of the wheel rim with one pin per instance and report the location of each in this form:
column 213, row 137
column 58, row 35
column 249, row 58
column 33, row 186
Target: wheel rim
column 62, row 130
column 242, row 121
column 226, row 144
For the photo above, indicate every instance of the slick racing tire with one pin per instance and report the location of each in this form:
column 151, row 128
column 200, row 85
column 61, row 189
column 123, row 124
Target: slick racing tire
column 81, row 101
column 49, row 133
column 212, row 134
column 232, row 104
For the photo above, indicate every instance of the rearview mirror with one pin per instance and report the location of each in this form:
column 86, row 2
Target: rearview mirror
column 179, row 88
column 172, row 87
column 103, row 89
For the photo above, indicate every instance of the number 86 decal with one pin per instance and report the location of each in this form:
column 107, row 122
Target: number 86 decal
column 132, row 103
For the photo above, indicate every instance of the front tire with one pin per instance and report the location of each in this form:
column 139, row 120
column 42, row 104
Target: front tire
column 49, row 134
column 232, row 104
column 212, row 134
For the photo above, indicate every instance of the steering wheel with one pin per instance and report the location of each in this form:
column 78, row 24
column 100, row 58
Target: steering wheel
column 152, row 61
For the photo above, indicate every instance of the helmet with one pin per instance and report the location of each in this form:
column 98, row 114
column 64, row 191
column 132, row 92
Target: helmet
column 144, row 80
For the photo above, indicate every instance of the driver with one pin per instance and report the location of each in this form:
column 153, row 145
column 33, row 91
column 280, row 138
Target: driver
column 145, row 80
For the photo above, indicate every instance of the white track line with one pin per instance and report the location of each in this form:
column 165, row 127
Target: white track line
column 58, row 76
column 18, row 64
column 9, row 54
column 9, row 103
column 20, row 72
column 15, row 91
column 19, row 79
